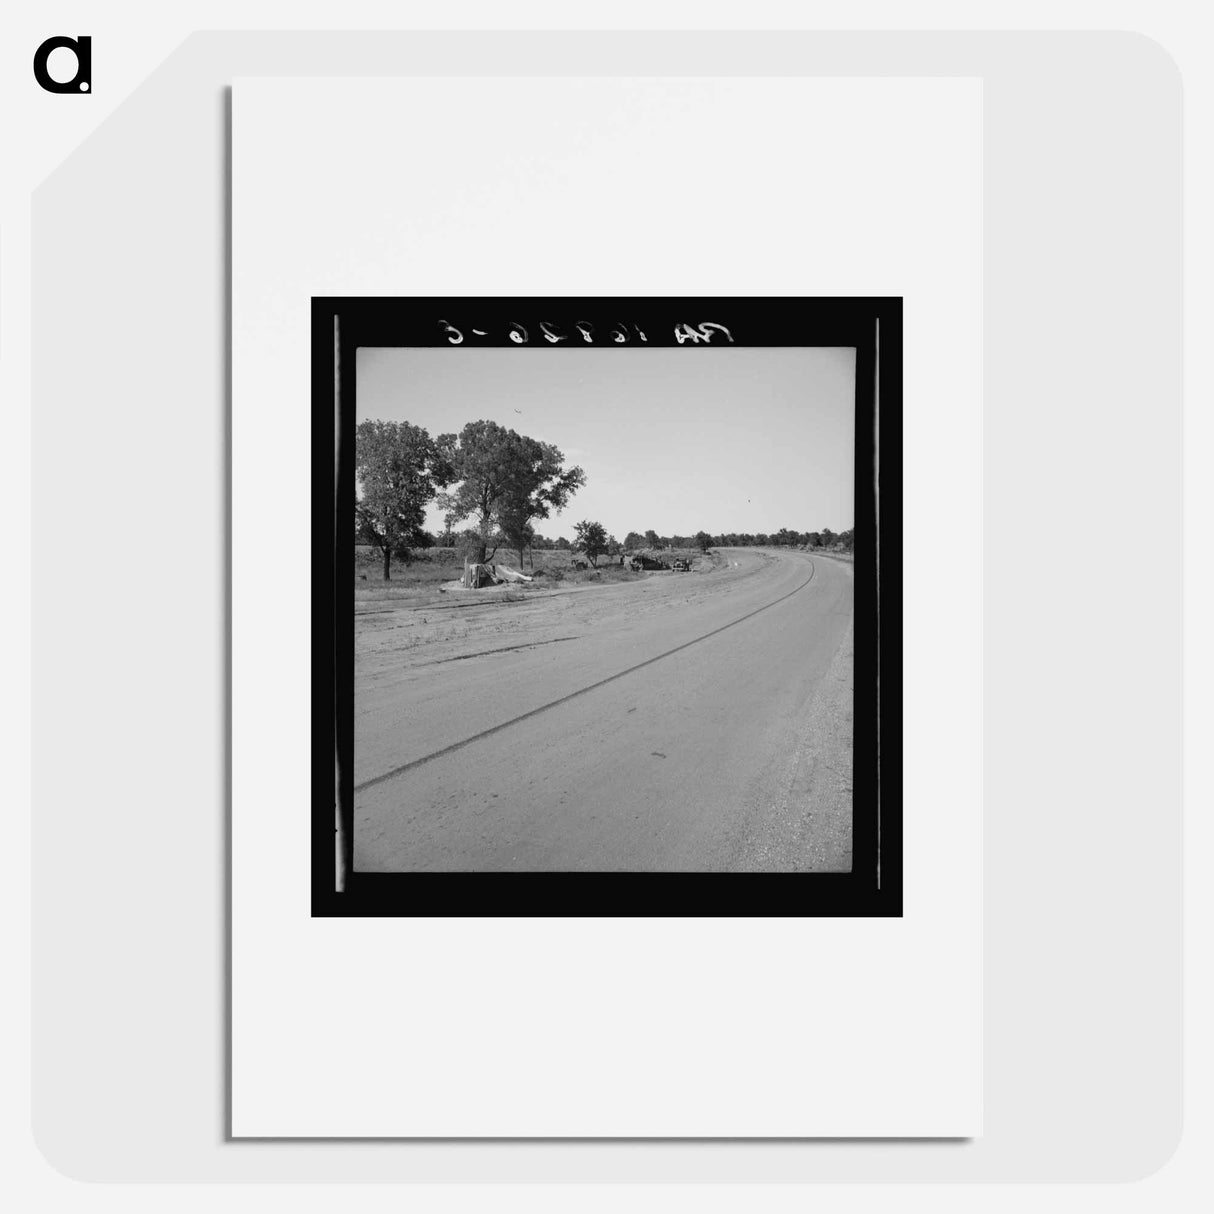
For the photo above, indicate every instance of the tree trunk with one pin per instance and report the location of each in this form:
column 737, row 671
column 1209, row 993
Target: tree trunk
column 485, row 531
column 387, row 564
column 520, row 560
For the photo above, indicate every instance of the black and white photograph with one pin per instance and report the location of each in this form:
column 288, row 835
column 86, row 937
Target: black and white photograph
column 595, row 583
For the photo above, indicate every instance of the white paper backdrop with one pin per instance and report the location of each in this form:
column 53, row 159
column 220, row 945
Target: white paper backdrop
column 608, row 1028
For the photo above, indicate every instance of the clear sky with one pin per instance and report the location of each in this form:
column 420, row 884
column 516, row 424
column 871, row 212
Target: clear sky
column 692, row 438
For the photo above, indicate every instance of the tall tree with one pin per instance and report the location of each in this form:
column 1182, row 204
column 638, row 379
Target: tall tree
column 505, row 480
column 398, row 469
column 652, row 538
column 634, row 540
column 592, row 539
column 703, row 540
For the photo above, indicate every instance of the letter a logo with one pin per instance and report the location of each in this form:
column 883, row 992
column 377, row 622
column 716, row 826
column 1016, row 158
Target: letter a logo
column 82, row 48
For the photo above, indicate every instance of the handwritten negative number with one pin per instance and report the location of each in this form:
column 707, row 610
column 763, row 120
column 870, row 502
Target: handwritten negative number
column 701, row 333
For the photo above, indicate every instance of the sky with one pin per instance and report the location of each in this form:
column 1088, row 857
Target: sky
column 683, row 439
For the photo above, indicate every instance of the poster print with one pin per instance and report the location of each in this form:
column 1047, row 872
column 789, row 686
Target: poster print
column 606, row 606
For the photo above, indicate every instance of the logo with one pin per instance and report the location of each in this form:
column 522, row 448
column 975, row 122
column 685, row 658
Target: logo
column 82, row 48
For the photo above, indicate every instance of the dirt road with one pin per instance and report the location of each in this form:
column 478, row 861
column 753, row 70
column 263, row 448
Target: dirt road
column 682, row 722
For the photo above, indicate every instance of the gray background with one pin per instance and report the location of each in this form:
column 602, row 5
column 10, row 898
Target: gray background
column 1082, row 615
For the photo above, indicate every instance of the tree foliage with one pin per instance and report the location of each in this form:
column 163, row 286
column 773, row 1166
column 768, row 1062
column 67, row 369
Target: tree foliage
column 398, row 469
column 591, row 539
column 504, row 481
column 703, row 540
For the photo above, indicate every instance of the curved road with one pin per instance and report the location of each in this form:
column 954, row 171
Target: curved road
column 683, row 722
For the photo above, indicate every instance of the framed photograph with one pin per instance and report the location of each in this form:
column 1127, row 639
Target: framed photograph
column 606, row 606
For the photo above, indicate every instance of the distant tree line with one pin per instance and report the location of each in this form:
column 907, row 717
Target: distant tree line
column 635, row 541
column 784, row 538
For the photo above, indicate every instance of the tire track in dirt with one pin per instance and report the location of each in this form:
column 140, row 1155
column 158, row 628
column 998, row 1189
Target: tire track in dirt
column 463, row 657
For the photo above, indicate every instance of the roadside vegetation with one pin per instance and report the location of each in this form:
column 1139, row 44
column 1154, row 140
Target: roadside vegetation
column 494, row 485
column 432, row 571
